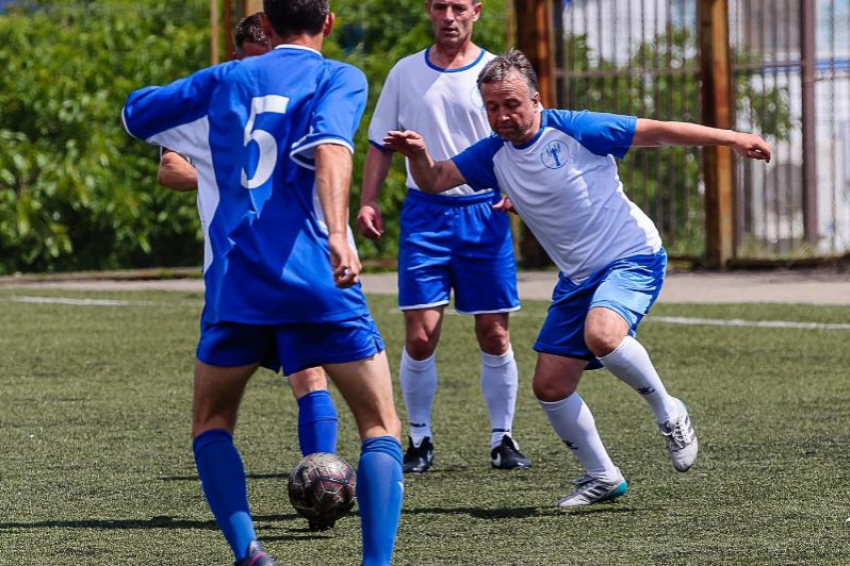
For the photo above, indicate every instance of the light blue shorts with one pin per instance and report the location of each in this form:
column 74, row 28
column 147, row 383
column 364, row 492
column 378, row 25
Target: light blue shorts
column 460, row 244
column 292, row 347
column 628, row 287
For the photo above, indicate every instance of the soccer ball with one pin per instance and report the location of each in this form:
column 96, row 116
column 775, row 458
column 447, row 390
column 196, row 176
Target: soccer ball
column 322, row 489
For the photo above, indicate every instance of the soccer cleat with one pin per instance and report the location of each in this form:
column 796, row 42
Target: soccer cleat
column 506, row 456
column 418, row 459
column 256, row 557
column 681, row 440
column 591, row 490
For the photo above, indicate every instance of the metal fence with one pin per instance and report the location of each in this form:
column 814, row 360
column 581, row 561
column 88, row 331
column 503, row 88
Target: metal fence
column 642, row 57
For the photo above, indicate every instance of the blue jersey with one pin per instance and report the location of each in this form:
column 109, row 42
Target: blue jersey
column 250, row 128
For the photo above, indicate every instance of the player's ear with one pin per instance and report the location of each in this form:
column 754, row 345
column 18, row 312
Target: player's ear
column 476, row 10
column 329, row 24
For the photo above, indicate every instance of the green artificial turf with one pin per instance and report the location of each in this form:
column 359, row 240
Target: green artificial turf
column 96, row 464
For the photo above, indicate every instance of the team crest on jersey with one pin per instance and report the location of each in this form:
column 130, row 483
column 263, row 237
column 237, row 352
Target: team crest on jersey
column 554, row 155
column 475, row 97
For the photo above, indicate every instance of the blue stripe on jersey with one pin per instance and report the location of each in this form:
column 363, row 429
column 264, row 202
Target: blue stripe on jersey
column 475, row 163
column 240, row 121
column 601, row 134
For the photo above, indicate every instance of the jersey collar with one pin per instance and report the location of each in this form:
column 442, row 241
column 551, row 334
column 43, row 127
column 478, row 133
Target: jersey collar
column 299, row 47
column 455, row 70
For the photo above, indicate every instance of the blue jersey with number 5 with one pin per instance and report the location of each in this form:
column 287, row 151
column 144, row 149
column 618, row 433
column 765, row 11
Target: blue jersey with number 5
column 251, row 128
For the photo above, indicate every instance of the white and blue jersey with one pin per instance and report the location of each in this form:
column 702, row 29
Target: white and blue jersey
column 250, row 129
column 565, row 185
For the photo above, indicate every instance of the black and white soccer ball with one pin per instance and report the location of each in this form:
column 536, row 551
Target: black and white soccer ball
column 322, row 488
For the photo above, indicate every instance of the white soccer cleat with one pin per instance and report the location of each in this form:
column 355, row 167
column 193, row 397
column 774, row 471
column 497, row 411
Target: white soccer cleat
column 681, row 440
column 592, row 490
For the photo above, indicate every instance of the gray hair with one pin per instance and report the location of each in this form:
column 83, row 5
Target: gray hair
column 513, row 61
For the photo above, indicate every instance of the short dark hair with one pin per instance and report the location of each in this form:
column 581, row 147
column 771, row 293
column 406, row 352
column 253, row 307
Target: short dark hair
column 296, row 17
column 498, row 69
column 249, row 29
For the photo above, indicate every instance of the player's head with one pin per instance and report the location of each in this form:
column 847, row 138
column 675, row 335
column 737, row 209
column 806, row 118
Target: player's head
column 508, row 86
column 452, row 20
column 290, row 18
column 249, row 38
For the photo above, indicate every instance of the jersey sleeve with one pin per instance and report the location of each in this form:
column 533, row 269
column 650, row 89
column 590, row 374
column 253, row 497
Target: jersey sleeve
column 475, row 163
column 601, row 134
column 338, row 108
column 385, row 116
column 172, row 115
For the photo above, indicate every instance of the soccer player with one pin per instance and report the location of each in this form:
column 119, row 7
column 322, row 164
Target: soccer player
column 450, row 241
column 271, row 138
column 317, row 416
column 558, row 169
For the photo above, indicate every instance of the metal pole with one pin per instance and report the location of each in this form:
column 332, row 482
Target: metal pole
column 810, row 173
column 718, row 171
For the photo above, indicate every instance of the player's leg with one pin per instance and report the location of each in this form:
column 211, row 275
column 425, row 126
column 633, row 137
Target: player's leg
column 424, row 289
column 217, row 395
column 555, row 381
column 317, row 416
column 622, row 299
column 366, row 386
column 418, row 379
column 484, row 278
column 499, row 384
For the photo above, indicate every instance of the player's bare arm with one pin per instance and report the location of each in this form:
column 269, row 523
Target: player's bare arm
column 655, row 133
column 333, row 177
column 430, row 176
column 176, row 173
column 375, row 171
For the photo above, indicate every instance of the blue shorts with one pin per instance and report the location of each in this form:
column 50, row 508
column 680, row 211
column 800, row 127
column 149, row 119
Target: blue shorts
column 628, row 287
column 293, row 347
column 457, row 243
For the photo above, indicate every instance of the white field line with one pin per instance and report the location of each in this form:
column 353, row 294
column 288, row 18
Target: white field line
column 736, row 322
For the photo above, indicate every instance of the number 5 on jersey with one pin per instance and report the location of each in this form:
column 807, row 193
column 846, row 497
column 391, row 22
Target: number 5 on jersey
column 265, row 141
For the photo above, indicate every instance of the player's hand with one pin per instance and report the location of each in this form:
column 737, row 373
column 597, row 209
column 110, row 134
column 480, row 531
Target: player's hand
column 369, row 221
column 505, row 206
column 344, row 261
column 407, row 143
column 752, row 146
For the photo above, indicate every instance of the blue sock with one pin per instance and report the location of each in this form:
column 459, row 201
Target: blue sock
column 379, row 492
column 223, row 480
column 317, row 423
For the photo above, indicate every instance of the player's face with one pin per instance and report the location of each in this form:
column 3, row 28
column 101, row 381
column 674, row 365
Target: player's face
column 250, row 49
column 452, row 20
column 512, row 111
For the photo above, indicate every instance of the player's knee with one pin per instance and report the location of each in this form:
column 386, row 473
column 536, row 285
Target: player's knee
column 602, row 340
column 308, row 381
column 549, row 388
column 493, row 340
column 420, row 345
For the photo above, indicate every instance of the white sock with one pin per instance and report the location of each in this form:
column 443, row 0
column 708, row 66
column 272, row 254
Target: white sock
column 499, row 383
column 574, row 424
column 419, row 387
column 630, row 363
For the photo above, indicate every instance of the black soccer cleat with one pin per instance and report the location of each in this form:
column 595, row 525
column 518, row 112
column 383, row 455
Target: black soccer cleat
column 506, row 456
column 320, row 525
column 418, row 459
column 256, row 557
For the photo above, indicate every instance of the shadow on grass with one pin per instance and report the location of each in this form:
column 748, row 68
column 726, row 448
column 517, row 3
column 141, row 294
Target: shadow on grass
column 158, row 522
column 249, row 476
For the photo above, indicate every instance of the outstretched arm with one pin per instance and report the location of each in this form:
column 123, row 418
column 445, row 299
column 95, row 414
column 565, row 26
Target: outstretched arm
column 431, row 176
column 333, row 177
column 654, row 133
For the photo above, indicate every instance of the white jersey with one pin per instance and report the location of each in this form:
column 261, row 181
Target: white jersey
column 443, row 105
column 565, row 186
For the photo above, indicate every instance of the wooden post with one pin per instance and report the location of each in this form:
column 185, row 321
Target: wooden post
column 717, row 112
column 534, row 38
column 214, row 33
column 810, row 172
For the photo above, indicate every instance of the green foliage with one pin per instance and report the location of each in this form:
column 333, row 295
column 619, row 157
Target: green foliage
column 75, row 191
